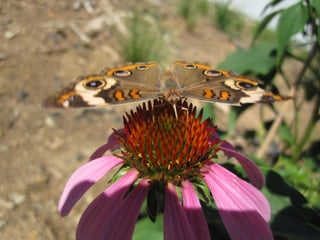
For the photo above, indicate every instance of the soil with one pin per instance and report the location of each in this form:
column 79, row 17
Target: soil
column 39, row 53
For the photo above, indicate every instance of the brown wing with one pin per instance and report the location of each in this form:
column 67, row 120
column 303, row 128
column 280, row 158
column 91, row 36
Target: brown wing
column 202, row 82
column 129, row 83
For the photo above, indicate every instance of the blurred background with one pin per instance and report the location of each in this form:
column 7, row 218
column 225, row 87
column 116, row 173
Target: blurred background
column 44, row 45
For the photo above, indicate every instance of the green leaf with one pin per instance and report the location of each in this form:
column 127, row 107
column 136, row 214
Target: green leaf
column 271, row 4
column 292, row 21
column 287, row 222
column 145, row 229
column 286, row 135
column 209, row 112
column 316, row 5
column 258, row 59
column 232, row 119
column 262, row 25
column 318, row 34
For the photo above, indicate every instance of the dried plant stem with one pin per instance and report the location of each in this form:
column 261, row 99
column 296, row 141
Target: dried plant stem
column 273, row 130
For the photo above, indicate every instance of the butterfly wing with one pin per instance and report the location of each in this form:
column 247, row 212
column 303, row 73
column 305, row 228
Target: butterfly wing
column 128, row 83
column 201, row 82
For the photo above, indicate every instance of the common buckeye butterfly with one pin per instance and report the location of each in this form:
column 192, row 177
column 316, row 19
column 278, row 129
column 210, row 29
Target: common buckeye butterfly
column 145, row 81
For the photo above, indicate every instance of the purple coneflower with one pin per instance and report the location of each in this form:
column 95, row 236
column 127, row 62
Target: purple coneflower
column 166, row 156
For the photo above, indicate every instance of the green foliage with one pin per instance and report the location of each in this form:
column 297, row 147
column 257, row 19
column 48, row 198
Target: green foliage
column 284, row 132
column 192, row 10
column 265, row 60
column 145, row 229
column 261, row 28
column 315, row 4
column 227, row 20
column 258, row 59
column 144, row 41
column 302, row 177
column 232, row 119
column 293, row 183
column 292, row 21
column 293, row 217
column 209, row 112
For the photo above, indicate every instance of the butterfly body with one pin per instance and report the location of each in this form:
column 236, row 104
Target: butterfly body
column 145, row 81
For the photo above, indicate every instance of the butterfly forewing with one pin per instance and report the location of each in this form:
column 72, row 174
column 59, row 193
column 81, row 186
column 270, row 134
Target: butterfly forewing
column 112, row 86
column 200, row 81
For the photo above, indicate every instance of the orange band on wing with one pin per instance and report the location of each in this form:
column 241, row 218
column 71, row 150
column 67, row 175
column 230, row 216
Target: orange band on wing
column 269, row 96
column 198, row 65
column 224, row 95
column 129, row 67
column 208, row 93
column 119, row 95
column 66, row 97
column 134, row 93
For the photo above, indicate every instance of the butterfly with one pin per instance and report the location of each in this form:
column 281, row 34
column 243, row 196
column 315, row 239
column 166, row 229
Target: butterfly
column 144, row 81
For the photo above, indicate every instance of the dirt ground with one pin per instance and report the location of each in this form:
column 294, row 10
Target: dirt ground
column 39, row 53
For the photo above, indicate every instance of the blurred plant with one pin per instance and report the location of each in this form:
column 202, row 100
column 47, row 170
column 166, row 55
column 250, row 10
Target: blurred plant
column 144, row 41
column 226, row 19
column 266, row 59
column 192, row 10
column 298, row 161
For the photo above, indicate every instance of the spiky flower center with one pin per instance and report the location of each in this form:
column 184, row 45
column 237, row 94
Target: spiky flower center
column 168, row 143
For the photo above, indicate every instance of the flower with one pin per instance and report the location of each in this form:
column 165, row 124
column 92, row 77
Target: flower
column 167, row 152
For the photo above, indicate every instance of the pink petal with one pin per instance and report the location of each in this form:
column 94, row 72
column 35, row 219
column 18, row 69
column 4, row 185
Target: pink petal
column 83, row 178
column 243, row 209
column 112, row 144
column 93, row 221
column 176, row 222
column 121, row 223
column 194, row 211
column 254, row 174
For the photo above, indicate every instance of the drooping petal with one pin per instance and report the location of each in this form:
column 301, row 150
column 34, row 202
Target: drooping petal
column 194, row 211
column 254, row 174
column 121, row 223
column 83, row 178
column 112, row 144
column 93, row 221
column 176, row 222
column 243, row 208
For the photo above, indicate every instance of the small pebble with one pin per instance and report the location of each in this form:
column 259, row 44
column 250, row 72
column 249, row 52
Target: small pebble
column 3, row 56
column 17, row 198
column 96, row 25
column 3, row 223
column 49, row 121
column 6, row 204
column 4, row 148
column 9, row 34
